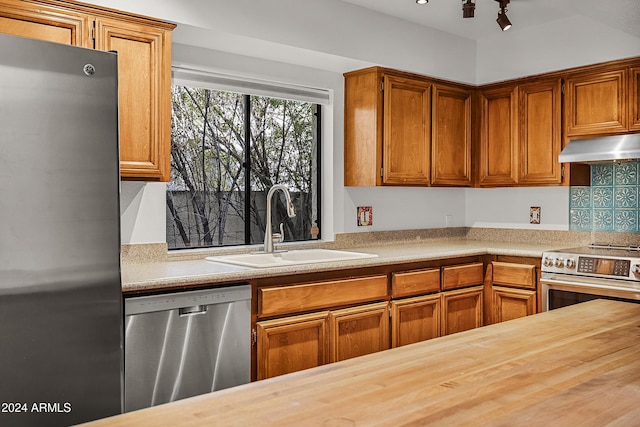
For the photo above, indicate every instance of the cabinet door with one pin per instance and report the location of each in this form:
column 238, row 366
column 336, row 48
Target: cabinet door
column 461, row 310
column 144, row 86
column 363, row 128
column 634, row 99
column 498, row 137
column 540, row 132
column 407, row 131
column 451, row 136
column 37, row 22
column 358, row 331
column 596, row 103
column 415, row 319
column 292, row 344
column 511, row 303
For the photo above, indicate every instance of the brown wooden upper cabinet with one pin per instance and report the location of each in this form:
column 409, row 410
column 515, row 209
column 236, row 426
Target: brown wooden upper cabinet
column 406, row 130
column 498, row 136
column 144, row 70
column 539, row 132
column 451, row 136
column 634, row 98
column 20, row 18
column 521, row 134
column 403, row 129
column 596, row 102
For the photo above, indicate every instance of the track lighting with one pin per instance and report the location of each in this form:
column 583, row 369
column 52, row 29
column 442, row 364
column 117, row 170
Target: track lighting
column 502, row 20
column 469, row 9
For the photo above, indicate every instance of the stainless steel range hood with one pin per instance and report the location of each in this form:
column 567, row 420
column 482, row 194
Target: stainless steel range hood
column 606, row 149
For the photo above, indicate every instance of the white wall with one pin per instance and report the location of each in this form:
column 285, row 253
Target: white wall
column 509, row 207
column 327, row 34
column 404, row 208
column 142, row 212
column 313, row 43
column 558, row 45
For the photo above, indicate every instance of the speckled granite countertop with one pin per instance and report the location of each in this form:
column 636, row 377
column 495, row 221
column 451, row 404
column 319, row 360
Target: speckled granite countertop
column 182, row 274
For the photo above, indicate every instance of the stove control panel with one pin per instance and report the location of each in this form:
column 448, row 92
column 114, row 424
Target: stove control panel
column 614, row 267
column 604, row 266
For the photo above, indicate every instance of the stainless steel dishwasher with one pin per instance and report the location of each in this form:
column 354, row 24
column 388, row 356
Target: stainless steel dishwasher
column 188, row 343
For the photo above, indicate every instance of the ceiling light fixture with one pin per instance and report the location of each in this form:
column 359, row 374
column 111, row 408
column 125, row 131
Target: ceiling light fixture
column 502, row 20
column 469, row 8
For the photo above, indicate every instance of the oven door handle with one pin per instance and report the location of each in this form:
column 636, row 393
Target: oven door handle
column 591, row 282
column 615, row 289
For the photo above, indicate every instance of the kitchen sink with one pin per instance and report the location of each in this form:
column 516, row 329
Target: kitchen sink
column 295, row 257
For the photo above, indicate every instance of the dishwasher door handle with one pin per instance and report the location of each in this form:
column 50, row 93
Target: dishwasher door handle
column 192, row 311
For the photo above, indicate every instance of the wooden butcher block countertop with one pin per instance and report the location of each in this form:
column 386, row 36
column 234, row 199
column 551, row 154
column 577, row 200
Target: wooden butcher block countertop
column 578, row 365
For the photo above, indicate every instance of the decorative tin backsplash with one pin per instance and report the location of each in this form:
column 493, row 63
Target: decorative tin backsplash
column 611, row 203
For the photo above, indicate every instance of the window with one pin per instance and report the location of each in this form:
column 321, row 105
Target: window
column 227, row 150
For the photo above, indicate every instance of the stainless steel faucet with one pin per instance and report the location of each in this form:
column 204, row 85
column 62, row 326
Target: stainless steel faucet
column 269, row 237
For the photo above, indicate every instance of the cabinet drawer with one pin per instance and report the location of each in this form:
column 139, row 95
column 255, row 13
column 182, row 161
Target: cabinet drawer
column 460, row 276
column 415, row 282
column 317, row 295
column 518, row 275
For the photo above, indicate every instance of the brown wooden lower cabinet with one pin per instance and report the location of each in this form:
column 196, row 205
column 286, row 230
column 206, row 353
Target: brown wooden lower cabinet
column 295, row 343
column 461, row 310
column 331, row 334
column 358, row 331
column 512, row 289
column 509, row 303
column 415, row 319
column 292, row 344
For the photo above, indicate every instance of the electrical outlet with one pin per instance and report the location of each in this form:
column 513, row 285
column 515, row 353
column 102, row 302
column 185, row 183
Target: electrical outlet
column 448, row 220
column 365, row 216
column 534, row 215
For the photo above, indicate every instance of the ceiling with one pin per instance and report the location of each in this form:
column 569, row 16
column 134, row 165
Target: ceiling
column 446, row 15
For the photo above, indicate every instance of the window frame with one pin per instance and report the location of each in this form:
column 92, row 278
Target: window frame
column 248, row 170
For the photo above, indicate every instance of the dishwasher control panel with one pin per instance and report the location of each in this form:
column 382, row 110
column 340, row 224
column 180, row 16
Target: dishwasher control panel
column 171, row 301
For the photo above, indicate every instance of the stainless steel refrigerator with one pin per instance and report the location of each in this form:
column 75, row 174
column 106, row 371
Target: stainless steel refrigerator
column 61, row 355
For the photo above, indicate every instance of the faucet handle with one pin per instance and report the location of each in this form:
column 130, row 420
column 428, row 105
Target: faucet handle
column 279, row 237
